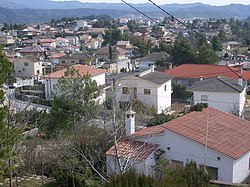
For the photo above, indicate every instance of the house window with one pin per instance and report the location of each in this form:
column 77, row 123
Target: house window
column 213, row 171
column 125, row 90
column 26, row 63
column 63, row 61
column 165, row 87
column 175, row 164
column 146, row 91
column 72, row 61
column 134, row 93
column 204, row 98
column 38, row 72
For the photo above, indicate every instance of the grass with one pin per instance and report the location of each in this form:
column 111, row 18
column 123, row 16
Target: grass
column 34, row 183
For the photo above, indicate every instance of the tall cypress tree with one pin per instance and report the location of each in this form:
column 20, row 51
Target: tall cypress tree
column 6, row 137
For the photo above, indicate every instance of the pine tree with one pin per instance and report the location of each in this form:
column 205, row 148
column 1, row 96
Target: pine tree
column 8, row 133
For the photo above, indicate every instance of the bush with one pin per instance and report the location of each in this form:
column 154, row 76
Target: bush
column 198, row 107
column 188, row 176
column 160, row 119
column 179, row 92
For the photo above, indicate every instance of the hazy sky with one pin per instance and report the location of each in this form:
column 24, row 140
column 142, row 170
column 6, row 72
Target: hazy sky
column 211, row 2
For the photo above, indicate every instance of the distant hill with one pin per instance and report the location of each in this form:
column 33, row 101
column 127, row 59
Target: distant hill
column 38, row 15
column 27, row 11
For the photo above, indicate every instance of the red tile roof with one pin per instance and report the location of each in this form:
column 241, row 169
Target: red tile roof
column 47, row 40
column 227, row 133
column 82, row 70
column 206, row 71
column 150, row 131
column 32, row 49
column 131, row 149
column 57, row 55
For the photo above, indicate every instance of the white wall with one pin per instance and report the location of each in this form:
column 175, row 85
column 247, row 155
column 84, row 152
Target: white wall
column 164, row 96
column 158, row 98
column 27, row 71
column 223, row 101
column 141, row 166
column 140, row 84
column 50, row 85
column 184, row 149
column 242, row 101
column 241, row 168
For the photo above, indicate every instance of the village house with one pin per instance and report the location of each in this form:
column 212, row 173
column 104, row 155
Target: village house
column 28, row 67
column 6, row 40
column 73, row 40
column 150, row 87
column 118, row 53
column 126, row 45
column 81, row 58
column 211, row 138
column 96, row 74
column 188, row 74
column 223, row 93
column 152, row 59
column 62, row 42
column 25, row 43
column 48, row 43
column 32, row 50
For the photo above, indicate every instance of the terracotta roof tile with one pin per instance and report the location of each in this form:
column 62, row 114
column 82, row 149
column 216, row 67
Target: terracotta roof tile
column 131, row 149
column 227, row 133
column 206, row 71
column 154, row 130
column 32, row 49
column 82, row 70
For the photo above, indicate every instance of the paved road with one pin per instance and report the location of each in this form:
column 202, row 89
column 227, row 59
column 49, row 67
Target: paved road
column 19, row 105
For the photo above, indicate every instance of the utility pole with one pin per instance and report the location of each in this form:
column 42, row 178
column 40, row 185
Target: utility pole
column 115, row 125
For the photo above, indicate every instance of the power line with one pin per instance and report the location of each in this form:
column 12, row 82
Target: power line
column 152, row 19
column 139, row 11
column 194, row 44
column 182, row 23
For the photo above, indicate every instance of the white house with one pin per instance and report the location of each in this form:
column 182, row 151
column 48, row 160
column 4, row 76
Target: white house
column 47, row 43
column 222, row 93
column 6, row 40
column 62, row 42
column 96, row 74
column 151, row 87
column 28, row 67
column 212, row 137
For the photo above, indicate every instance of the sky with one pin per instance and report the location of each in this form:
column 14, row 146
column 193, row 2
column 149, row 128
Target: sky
column 210, row 2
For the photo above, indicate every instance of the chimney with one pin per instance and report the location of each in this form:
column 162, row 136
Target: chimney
column 201, row 78
column 241, row 70
column 170, row 66
column 240, row 81
column 130, row 122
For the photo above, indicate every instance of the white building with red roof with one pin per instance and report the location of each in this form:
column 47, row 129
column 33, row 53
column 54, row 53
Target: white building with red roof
column 213, row 138
column 47, row 43
column 187, row 74
column 96, row 74
column 222, row 93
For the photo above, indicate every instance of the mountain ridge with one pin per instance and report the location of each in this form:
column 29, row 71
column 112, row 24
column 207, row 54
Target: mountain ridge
column 30, row 11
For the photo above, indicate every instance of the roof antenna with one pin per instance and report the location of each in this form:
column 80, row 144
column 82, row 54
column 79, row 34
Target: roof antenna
column 206, row 140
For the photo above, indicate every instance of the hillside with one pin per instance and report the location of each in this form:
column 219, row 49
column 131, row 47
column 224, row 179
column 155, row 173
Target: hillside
column 29, row 11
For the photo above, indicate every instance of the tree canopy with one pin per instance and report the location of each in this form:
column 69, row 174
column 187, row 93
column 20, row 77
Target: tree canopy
column 74, row 99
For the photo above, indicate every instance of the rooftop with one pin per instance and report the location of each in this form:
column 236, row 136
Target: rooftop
column 135, row 150
column 218, row 84
column 81, row 69
column 32, row 49
column 227, row 134
column 206, row 71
